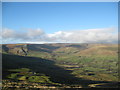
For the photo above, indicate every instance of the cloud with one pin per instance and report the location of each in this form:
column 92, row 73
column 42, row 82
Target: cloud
column 29, row 35
column 103, row 35
column 7, row 33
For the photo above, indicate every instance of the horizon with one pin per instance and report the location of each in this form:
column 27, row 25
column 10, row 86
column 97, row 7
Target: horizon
column 63, row 22
column 58, row 43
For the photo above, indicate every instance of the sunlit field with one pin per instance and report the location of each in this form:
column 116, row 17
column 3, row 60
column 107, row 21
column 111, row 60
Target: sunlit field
column 60, row 65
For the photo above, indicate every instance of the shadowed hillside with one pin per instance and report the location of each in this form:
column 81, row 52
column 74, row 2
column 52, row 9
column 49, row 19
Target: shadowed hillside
column 83, row 65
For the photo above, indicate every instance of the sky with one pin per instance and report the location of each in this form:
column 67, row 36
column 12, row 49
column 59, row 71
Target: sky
column 59, row 22
column 60, row 0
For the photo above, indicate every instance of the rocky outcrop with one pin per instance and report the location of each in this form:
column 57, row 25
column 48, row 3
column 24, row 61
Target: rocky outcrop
column 17, row 50
column 22, row 51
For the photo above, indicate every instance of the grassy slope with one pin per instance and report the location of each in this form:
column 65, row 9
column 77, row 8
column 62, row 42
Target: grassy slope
column 101, row 60
column 57, row 74
column 97, row 62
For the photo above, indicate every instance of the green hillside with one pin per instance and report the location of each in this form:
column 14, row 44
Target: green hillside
column 61, row 65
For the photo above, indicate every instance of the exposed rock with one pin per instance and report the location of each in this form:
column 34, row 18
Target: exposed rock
column 18, row 49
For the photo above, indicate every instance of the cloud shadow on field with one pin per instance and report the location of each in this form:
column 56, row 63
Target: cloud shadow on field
column 44, row 66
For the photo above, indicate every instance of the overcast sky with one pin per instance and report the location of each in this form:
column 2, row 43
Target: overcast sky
column 38, row 22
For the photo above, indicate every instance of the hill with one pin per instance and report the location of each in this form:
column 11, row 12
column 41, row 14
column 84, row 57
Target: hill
column 64, row 64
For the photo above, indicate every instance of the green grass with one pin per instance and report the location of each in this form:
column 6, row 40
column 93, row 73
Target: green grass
column 39, row 54
column 59, row 66
column 24, row 74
